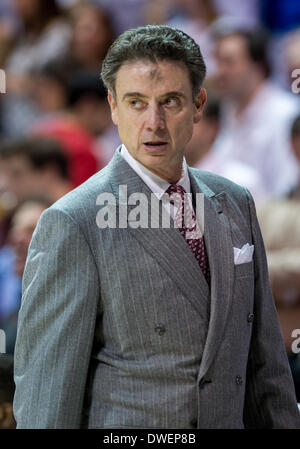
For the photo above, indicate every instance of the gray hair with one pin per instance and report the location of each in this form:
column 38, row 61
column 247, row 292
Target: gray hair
column 154, row 42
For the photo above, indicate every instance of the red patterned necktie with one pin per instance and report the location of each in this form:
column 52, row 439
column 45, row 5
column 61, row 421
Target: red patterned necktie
column 185, row 220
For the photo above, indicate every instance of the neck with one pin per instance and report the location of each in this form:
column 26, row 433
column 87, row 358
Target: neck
column 170, row 176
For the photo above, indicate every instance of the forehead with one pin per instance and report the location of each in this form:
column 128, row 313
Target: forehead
column 158, row 77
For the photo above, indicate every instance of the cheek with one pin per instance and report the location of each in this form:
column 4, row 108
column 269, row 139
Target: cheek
column 183, row 129
column 125, row 128
column 128, row 132
column 129, row 124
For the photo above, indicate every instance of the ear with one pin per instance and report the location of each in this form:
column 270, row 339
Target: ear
column 113, row 107
column 199, row 104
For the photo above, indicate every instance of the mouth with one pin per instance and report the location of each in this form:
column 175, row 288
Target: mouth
column 153, row 146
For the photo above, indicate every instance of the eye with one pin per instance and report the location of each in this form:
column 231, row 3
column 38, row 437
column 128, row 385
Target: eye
column 136, row 104
column 172, row 101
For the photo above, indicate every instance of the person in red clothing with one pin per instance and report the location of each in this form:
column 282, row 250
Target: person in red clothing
column 77, row 126
column 76, row 142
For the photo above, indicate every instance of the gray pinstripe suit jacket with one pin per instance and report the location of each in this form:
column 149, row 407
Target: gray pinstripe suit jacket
column 118, row 327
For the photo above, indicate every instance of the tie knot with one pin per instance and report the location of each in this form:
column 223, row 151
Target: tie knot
column 175, row 188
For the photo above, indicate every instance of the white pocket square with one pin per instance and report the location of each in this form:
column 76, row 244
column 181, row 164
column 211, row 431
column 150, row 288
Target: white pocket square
column 244, row 254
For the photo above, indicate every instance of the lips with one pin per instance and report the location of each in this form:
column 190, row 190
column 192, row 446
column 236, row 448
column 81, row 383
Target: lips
column 153, row 145
column 159, row 142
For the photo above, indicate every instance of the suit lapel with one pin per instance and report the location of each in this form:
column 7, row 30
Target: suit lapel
column 165, row 245
column 217, row 235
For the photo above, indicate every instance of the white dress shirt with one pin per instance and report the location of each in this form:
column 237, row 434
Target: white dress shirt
column 156, row 184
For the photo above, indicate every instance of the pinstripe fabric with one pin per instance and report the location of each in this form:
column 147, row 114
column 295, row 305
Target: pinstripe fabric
column 110, row 336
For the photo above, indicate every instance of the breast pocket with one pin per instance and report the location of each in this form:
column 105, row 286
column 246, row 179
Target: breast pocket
column 244, row 270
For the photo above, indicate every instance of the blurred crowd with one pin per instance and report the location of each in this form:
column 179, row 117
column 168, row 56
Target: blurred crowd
column 56, row 130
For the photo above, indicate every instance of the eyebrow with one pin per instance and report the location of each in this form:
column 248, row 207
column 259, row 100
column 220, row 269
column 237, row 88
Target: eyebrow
column 139, row 95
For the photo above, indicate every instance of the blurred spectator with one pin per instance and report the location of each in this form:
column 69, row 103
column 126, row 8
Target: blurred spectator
column 194, row 17
column 77, row 128
column 256, row 115
column 51, row 89
column 7, row 389
column 108, row 141
column 44, row 36
column 5, row 8
column 280, row 226
column 295, row 141
column 124, row 14
column 246, row 13
column 24, row 222
column 199, row 152
column 8, row 28
column 205, row 132
column 32, row 165
column 8, row 202
column 92, row 34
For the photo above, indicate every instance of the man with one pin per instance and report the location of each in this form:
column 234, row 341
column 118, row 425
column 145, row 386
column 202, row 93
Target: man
column 256, row 114
column 145, row 327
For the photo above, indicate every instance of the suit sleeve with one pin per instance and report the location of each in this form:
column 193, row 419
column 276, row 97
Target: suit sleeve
column 56, row 325
column 270, row 400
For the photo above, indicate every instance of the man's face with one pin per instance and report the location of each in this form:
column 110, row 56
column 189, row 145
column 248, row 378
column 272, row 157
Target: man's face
column 155, row 113
column 234, row 66
column 19, row 177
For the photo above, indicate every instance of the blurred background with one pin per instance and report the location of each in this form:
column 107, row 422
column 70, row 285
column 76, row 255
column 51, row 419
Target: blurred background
column 56, row 130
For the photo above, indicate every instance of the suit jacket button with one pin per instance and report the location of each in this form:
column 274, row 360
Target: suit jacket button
column 238, row 380
column 160, row 329
column 203, row 381
column 250, row 317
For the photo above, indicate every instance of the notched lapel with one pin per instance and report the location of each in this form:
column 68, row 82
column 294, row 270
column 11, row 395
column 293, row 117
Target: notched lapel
column 218, row 241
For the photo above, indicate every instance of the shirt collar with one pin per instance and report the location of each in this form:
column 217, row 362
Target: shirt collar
column 155, row 183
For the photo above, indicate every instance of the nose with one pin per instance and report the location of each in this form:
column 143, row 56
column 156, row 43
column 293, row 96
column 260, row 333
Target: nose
column 155, row 119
